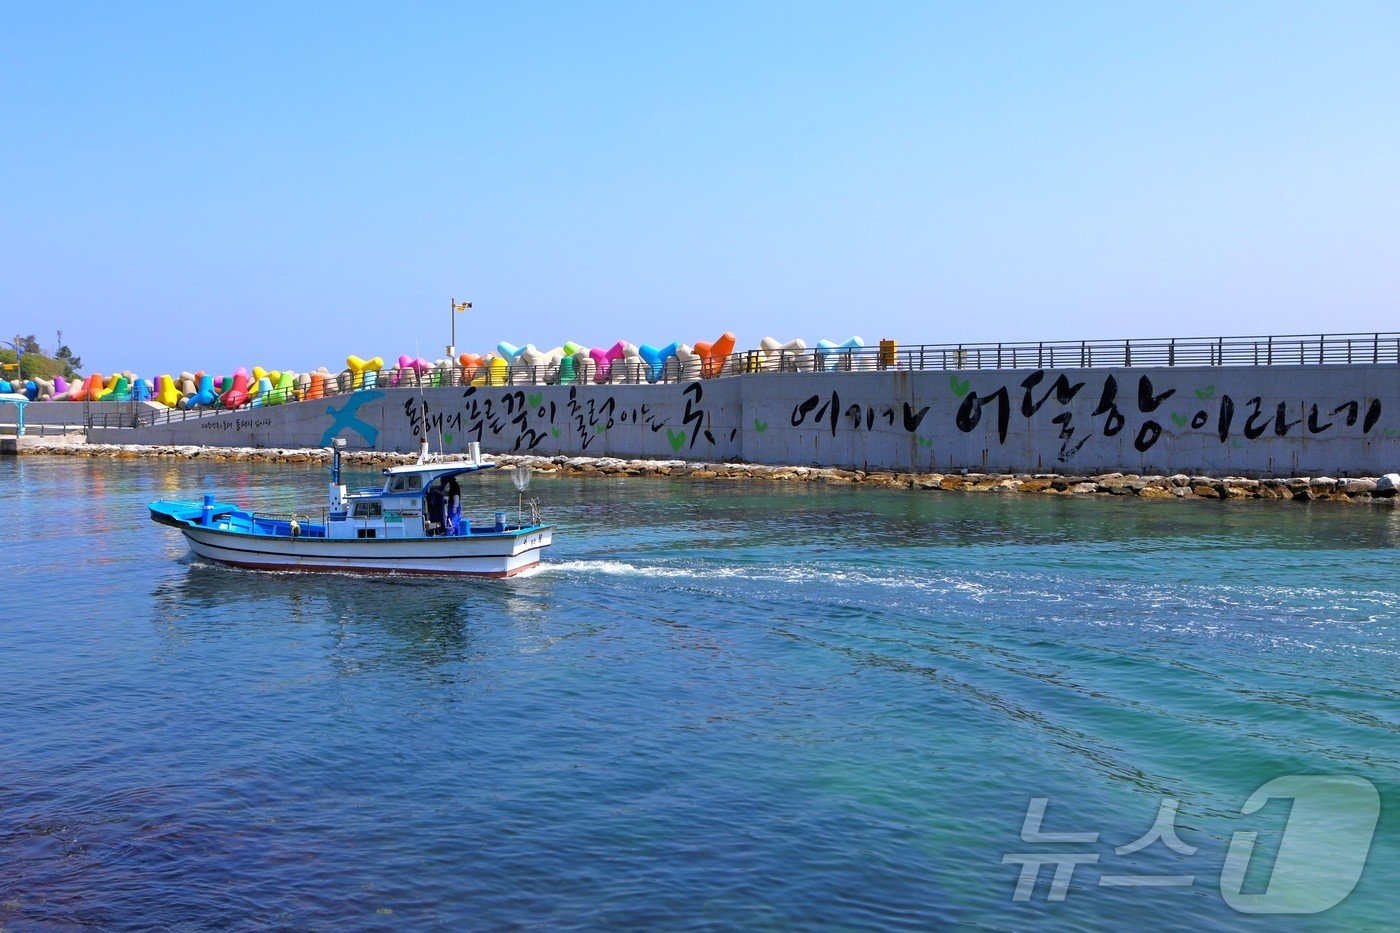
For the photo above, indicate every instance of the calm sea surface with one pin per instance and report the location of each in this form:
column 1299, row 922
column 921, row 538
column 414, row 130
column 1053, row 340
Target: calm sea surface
column 721, row 704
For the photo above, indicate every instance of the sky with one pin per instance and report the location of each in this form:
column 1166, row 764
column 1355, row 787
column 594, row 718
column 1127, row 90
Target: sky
column 204, row 186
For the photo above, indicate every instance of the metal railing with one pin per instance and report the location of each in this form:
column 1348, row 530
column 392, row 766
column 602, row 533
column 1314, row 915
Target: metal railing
column 1276, row 350
column 41, row 428
column 1319, row 349
column 1285, row 350
column 1288, row 350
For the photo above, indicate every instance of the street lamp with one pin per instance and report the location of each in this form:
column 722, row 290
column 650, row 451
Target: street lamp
column 457, row 307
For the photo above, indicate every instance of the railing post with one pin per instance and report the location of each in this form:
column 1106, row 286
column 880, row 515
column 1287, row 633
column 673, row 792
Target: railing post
column 1219, row 351
column 1269, row 352
column 1127, row 353
column 1171, row 352
column 1321, row 339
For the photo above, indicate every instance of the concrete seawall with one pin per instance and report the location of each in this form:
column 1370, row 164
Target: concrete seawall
column 1272, row 421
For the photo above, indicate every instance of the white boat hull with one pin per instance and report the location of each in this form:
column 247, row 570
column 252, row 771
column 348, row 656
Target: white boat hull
column 486, row 556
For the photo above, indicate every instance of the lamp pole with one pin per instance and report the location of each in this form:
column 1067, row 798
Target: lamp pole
column 18, row 347
column 456, row 307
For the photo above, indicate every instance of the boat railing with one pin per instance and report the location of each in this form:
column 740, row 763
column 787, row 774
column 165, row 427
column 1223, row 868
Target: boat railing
column 282, row 516
column 303, row 520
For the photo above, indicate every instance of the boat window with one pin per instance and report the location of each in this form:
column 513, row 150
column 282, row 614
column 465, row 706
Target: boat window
column 368, row 509
column 409, row 483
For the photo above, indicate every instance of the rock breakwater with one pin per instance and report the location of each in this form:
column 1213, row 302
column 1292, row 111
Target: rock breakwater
column 1178, row 486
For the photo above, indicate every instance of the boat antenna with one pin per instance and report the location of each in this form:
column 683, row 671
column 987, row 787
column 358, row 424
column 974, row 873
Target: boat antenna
column 520, row 476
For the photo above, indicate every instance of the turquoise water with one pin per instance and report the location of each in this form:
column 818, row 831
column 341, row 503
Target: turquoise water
column 721, row 704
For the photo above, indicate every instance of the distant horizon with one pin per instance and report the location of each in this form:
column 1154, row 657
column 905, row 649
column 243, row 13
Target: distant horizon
column 213, row 188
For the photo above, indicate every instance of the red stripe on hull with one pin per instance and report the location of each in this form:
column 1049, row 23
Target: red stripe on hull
column 319, row 568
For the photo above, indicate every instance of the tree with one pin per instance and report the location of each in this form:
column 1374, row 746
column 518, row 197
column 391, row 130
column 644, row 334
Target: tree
column 36, row 363
column 71, row 364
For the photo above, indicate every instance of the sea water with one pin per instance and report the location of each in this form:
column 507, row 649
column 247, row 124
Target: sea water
column 718, row 704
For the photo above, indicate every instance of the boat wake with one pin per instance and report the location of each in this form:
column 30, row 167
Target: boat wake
column 623, row 568
column 1248, row 612
column 767, row 573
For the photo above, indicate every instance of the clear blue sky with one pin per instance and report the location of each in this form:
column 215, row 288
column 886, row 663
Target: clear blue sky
column 194, row 185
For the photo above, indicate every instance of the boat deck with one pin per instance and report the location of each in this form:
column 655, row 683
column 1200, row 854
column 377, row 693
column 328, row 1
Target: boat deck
column 234, row 520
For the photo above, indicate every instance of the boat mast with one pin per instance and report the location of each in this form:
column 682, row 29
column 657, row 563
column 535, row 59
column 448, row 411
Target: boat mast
column 335, row 495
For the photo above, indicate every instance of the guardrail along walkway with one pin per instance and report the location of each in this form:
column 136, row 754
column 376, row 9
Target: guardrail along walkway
column 1288, row 350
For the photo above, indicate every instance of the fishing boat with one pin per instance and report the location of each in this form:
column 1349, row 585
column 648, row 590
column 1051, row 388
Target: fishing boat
column 413, row 524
